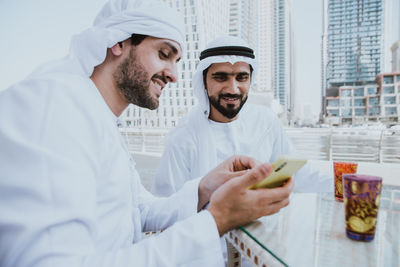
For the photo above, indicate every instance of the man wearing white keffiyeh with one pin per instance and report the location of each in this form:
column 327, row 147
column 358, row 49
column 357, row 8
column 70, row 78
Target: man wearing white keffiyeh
column 69, row 191
column 222, row 124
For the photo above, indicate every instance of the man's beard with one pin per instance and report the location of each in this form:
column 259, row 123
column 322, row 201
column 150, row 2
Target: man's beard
column 229, row 111
column 133, row 83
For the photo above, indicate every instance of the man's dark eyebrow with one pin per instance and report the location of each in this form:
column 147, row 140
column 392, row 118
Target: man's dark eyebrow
column 243, row 73
column 173, row 49
column 220, row 73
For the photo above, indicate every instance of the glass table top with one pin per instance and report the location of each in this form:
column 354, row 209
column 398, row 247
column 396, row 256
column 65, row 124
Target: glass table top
column 311, row 232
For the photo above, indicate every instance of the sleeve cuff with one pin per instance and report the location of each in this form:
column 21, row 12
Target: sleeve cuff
column 188, row 196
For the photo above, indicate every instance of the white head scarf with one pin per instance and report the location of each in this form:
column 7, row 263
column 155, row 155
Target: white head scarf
column 117, row 21
column 198, row 82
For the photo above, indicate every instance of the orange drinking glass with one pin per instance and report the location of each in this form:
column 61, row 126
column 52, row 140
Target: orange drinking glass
column 340, row 168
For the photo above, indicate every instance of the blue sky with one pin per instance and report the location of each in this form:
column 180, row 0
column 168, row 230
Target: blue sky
column 34, row 32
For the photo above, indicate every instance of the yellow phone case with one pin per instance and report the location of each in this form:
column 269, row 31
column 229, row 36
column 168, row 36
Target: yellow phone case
column 283, row 168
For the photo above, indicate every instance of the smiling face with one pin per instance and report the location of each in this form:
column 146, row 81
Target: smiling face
column 143, row 74
column 227, row 87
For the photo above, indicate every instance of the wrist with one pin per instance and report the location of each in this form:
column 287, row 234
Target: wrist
column 219, row 219
column 204, row 195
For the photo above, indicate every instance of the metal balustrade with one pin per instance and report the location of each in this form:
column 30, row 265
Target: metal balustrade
column 361, row 145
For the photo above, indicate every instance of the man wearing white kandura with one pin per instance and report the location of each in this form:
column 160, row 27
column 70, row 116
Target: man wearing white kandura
column 222, row 124
column 69, row 191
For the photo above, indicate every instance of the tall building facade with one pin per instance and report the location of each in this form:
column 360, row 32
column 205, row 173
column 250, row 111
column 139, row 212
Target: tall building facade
column 363, row 104
column 359, row 34
column 243, row 20
column 276, row 54
column 396, row 56
column 324, row 57
column 284, row 55
column 266, row 47
column 204, row 21
column 357, row 40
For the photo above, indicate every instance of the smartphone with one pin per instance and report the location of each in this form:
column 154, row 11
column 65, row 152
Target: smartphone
column 282, row 169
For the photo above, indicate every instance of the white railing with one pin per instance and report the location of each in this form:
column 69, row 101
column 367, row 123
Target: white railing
column 144, row 141
column 365, row 145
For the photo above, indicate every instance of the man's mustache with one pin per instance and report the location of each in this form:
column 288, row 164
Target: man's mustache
column 161, row 77
column 231, row 96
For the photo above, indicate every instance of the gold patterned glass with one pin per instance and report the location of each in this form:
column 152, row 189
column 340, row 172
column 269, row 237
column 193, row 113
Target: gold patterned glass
column 361, row 202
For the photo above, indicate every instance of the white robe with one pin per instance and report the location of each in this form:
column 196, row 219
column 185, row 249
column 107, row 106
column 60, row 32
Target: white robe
column 69, row 192
column 192, row 149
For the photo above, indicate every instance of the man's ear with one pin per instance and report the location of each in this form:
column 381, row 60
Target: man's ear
column 117, row 49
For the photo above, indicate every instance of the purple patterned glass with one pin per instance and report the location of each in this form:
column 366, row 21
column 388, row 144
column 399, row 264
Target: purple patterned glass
column 361, row 202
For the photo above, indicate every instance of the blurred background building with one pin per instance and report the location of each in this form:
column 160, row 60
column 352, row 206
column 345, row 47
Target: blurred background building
column 359, row 64
column 396, row 56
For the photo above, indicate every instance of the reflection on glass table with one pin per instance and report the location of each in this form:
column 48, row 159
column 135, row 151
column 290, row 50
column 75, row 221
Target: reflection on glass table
column 311, row 232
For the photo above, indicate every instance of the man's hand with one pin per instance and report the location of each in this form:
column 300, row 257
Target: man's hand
column 232, row 167
column 234, row 204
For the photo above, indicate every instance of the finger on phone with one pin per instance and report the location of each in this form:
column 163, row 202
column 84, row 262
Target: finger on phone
column 256, row 174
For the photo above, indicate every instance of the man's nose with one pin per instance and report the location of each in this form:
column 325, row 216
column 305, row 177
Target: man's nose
column 233, row 86
column 171, row 73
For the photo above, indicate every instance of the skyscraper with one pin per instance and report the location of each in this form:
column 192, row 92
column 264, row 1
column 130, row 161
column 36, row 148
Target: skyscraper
column 396, row 57
column 266, row 47
column 324, row 57
column 243, row 20
column 284, row 55
column 275, row 53
column 358, row 41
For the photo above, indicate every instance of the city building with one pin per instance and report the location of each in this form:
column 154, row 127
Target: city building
column 284, row 56
column 265, row 48
column 324, row 58
column 363, row 104
column 357, row 39
column 389, row 88
column 396, row 56
column 275, row 82
column 243, row 20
